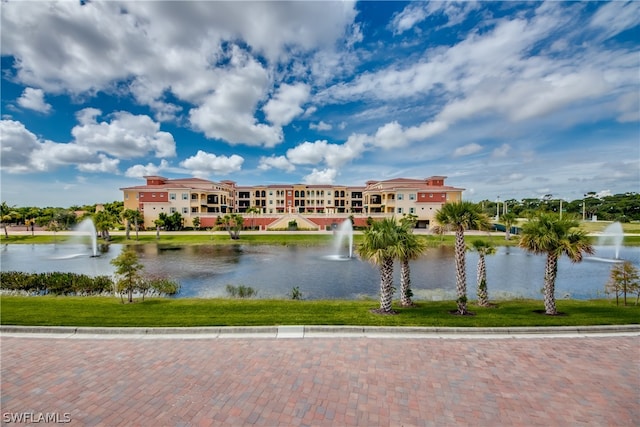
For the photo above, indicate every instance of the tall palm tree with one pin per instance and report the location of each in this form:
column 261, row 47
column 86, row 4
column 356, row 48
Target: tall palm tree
column 483, row 248
column 379, row 246
column 461, row 216
column 550, row 235
column 411, row 247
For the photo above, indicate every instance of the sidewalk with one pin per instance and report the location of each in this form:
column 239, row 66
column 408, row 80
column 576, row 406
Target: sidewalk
column 333, row 380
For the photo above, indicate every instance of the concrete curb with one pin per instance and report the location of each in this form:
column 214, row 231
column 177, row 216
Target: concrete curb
column 297, row 331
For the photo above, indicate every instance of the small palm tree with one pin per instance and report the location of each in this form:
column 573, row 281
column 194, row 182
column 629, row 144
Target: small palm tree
column 548, row 234
column 379, row 246
column 461, row 216
column 483, row 248
column 509, row 219
column 410, row 248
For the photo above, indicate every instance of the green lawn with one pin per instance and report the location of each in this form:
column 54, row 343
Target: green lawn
column 160, row 312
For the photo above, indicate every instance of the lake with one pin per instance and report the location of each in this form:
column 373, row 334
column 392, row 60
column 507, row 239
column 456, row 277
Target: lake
column 204, row 271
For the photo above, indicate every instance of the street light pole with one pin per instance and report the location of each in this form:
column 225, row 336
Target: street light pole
column 498, row 209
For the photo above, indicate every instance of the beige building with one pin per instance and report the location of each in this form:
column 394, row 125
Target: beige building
column 265, row 204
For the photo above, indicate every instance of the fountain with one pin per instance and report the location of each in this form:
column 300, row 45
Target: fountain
column 611, row 236
column 87, row 226
column 344, row 233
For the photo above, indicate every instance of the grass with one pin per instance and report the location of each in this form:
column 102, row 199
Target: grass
column 160, row 312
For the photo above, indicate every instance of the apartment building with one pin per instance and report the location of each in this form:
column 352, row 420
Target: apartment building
column 266, row 204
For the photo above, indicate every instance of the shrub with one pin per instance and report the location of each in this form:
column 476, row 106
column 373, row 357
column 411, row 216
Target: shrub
column 241, row 291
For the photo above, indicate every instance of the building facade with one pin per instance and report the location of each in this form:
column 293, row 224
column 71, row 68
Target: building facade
column 267, row 204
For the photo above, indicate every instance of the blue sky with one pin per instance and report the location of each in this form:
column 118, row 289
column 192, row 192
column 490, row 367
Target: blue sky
column 507, row 99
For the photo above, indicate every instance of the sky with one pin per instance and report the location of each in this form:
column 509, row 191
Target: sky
column 507, row 99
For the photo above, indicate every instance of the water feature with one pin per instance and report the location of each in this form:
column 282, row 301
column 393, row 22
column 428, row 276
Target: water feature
column 204, row 271
column 87, row 226
column 613, row 236
column 344, row 235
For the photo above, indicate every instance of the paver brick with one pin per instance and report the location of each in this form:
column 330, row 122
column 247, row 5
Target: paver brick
column 325, row 381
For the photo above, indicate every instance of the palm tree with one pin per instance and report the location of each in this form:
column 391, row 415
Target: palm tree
column 379, row 246
column 549, row 234
column 460, row 216
column 509, row 219
column 411, row 247
column 483, row 248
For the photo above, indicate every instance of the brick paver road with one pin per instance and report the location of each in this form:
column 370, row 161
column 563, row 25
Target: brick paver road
column 336, row 381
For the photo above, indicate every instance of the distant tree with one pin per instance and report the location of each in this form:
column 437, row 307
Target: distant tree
column 624, row 279
column 508, row 219
column 196, row 222
column 159, row 224
column 128, row 273
column 104, row 221
column 130, row 216
column 233, row 224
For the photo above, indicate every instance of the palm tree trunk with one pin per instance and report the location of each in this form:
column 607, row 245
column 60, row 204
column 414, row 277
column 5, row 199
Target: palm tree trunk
column 551, row 269
column 386, row 285
column 461, row 275
column 127, row 229
column 405, row 284
column 483, row 297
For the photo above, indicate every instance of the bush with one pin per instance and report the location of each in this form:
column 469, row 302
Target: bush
column 56, row 283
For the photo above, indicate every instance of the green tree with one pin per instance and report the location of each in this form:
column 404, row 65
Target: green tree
column 410, row 248
column 196, row 222
column 130, row 216
column 159, row 224
column 128, row 273
column 547, row 234
column 483, row 248
column 233, row 224
column 508, row 219
column 461, row 216
column 104, row 221
column 380, row 246
column 252, row 211
column 624, row 279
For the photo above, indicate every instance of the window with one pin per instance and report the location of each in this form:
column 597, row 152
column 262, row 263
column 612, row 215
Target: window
column 153, row 194
column 399, row 210
column 185, row 196
column 172, row 196
column 412, row 210
column 412, row 196
column 194, row 196
column 173, row 210
column 185, row 210
column 400, row 196
column 194, row 210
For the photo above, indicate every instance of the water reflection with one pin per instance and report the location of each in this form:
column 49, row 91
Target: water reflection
column 205, row 270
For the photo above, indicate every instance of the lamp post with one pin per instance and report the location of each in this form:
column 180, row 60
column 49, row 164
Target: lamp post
column 498, row 209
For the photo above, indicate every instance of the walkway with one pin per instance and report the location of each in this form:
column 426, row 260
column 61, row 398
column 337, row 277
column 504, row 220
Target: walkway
column 329, row 379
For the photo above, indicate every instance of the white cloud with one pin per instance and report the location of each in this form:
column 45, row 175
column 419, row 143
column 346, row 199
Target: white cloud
column 467, row 150
column 126, row 136
column 407, row 18
column 33, row 99
column 324, row 176
column 17, row 145
column 286, row 104
column 502, row 151
column 179, row 50
column 139, row 171
column 321, row 126
column 204, row 164
column 615, row 17
column 227, row 112
column 389, row 136
column 277, row 162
